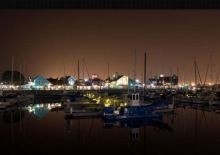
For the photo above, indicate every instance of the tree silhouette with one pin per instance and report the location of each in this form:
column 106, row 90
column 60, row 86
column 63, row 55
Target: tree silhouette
column 18, row 78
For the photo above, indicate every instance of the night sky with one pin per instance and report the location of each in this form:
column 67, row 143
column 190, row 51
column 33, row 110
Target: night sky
column 44, row 41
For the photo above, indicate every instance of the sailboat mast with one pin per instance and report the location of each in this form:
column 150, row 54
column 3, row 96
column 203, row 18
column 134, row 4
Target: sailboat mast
column 134, row 70
column 135, row 64
column 64, row 70
column 200, row 79
column 12, row 70
column 108, row 71
column 64, row 75
column 208, row 69
column 211, row 70
column 206, row 74
column 195, row 75
column 145, row 64
column 177, row 73
column 83, row 68
column 20, row 75
column 87, row 71
column 108, row 78
column 217, row 77
column 78, row 70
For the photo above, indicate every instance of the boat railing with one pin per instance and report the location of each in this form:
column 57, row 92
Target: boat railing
column 134, row 99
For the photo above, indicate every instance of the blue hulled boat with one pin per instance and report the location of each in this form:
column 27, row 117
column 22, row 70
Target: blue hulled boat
column 135, row 109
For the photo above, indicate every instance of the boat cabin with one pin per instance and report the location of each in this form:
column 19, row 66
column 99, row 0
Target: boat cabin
column 134, row 99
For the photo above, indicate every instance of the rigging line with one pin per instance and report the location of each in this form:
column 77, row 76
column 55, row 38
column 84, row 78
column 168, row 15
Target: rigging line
column 207, row 69
column 217, row 77
column 200, row 79
column 86, row 68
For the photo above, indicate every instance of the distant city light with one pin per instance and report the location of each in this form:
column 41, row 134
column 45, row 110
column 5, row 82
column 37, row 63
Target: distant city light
column 152, row 85
column 137, row 81
column 193, row 84
column 180, row 85
column 71, row 82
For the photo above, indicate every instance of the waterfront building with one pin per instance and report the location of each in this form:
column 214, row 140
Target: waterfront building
column 83, row 84
column 39, row 82
column 160, row 81
column 97, row 83
column 67, row 80
column 54, row 81
column 121, row 82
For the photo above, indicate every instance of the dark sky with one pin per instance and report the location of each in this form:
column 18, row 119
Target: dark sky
column 44, row 41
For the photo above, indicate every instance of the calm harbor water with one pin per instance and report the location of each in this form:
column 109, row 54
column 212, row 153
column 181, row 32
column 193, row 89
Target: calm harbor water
column 42, row 128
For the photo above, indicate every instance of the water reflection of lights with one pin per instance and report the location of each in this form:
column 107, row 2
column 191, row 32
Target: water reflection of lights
column 41, row 110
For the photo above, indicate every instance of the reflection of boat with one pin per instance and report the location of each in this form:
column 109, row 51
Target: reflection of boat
column 152, row 120
column 215, row 98
column 4, row 105
column 12, row 114
column 41, row 110
column 83, row 113
column 17, row 98
column 135, row 110
column 200, row 100
column 214, row 102
column 82, row 110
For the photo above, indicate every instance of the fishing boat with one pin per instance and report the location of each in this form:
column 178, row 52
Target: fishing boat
column 134, row 110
